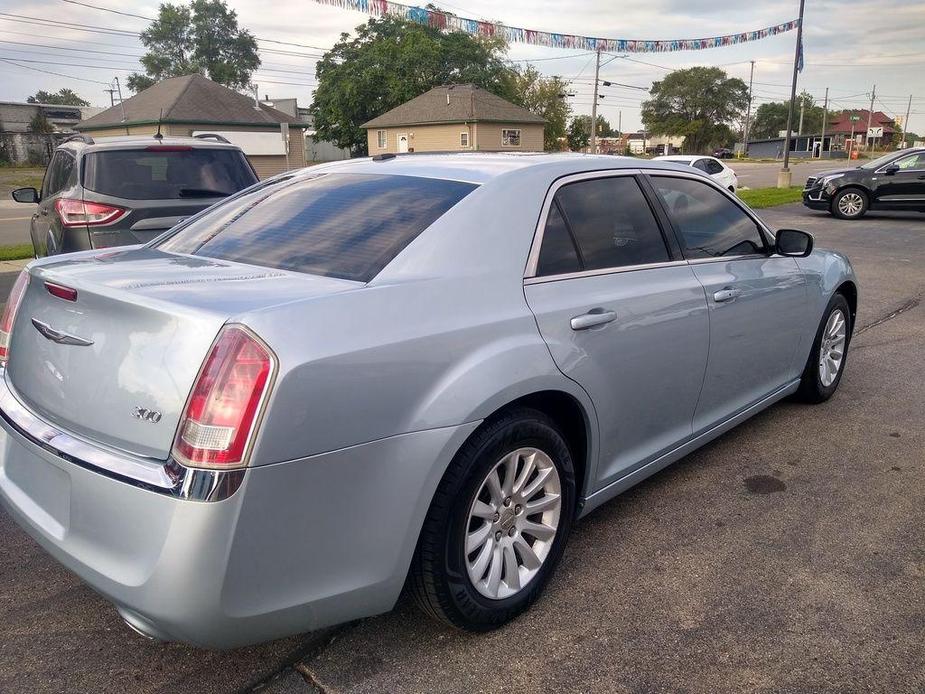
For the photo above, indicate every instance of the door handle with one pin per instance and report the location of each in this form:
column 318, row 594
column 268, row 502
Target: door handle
column 594, row 317
column 726, row 294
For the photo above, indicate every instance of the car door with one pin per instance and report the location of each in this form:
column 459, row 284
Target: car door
column 41, row 220
column 905, row 188
column 757, row 299
column 622, row 313
column 47, row 230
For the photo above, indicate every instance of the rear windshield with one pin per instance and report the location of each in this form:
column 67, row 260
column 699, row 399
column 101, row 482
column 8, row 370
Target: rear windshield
column 339, row 225
column 167, row 174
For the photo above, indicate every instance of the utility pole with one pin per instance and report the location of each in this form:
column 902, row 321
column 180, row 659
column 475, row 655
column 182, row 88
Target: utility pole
column 620, row 118
column 825, row 114
column 784, row 176
column 112, row 99
column 906, row 121
column 597, row 71
column 748, row 111
column 870, row 116
column 802, row 106
column 121, row 103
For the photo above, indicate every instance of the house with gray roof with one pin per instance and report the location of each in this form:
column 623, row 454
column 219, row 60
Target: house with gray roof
column 191, row 105
column 456, row 118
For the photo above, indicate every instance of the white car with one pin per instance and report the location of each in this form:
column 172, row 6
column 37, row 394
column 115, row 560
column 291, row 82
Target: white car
column 723, row 175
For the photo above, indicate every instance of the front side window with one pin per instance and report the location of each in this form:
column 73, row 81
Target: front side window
column 914, row 163
column 382, row 138
column 610, row 224
column 710, row 224
column 510, row 137
column 338, row 225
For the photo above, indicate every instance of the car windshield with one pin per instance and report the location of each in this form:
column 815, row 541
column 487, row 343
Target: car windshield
column 880, row 161
column 167, row 172
column 339, row 225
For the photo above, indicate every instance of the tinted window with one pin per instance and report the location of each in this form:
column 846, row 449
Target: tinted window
column 713, row 166
column 711, row 225
column 700, row 164
column 59, row 174
column 167, row 174
column 557, row 255
column 915, row 162
column 611, row 223
column 340, row 225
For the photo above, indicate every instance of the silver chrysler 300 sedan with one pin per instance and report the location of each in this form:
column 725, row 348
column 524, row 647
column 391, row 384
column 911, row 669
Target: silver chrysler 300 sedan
column 414, row 369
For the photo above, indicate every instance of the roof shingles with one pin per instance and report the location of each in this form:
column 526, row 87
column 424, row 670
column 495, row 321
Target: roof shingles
column 191, row 98
column 454, row 103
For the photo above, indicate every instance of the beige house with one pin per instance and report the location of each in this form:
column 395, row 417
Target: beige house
column 455, row 118
column 273, row 141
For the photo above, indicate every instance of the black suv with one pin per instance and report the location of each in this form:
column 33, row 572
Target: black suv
column 895, row 181
column 125, row 190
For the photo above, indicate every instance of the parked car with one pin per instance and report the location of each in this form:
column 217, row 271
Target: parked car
column 724, row 153
column 711, row 166
column 271, row 417
column 125, row 190
column 895, row 181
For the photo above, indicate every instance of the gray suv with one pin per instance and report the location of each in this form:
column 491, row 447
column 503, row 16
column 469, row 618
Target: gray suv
column 126, row 190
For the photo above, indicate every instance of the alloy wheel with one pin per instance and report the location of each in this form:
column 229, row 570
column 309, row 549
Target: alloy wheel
column 832, row 347
column 850, row 204
column 512, row 523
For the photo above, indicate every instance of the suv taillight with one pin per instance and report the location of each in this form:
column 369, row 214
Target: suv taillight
column 9, row 314
column 222, row 412
column 75, row 213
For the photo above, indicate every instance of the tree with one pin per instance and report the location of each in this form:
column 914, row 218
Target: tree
column 64, row 97
column 391, row 61
column 39, row 124
column 771, row 118
column 699, row 103
column 203, row 37
column 544, row 96
column 579, row 131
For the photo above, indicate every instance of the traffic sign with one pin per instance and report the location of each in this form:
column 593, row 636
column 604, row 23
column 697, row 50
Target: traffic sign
column 875, row 132
column 854, row 118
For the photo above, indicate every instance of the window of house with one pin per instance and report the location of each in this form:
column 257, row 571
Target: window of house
column 510, row 137
column 463, row 139
column 382, row 138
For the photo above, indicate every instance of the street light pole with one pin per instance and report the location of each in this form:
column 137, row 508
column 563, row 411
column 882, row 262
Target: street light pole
column 825, row 113
column 784, row 176
column 870, row 117
column 906, row 122
column 597, row 71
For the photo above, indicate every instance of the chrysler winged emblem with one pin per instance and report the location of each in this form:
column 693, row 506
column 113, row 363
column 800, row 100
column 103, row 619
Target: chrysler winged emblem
column 59, row 336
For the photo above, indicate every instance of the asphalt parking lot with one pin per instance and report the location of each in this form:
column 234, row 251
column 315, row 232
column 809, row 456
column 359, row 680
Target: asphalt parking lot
column 786, row 556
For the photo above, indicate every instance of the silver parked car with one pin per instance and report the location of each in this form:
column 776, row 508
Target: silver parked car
column 413, row 369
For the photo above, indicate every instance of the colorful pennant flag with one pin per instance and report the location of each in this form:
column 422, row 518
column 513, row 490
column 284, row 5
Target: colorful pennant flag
column 451, row 22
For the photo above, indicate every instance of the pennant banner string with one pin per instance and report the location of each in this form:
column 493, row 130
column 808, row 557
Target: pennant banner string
column 450, row 22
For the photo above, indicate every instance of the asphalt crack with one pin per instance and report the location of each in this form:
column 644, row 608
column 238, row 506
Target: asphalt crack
column 312, row 679
column 907, row 306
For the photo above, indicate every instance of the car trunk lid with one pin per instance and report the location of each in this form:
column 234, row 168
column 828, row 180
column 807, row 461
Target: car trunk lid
column 117, row 364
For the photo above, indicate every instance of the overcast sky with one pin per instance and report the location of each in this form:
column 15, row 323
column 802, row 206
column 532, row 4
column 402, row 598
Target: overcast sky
column 849, row 46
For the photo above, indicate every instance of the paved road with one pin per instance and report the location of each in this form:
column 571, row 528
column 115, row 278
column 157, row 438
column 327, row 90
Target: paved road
column 764, row 174
column 14, row 222
column 785, row 556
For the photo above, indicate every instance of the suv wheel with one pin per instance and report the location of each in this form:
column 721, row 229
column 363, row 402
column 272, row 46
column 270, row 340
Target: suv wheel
column 850, row 203
column 498, row 523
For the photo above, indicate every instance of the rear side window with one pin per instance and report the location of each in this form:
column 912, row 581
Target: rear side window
column 711, row 225
column 610, row 222
column 59, row 175
column 167, row 173
column 339, row 225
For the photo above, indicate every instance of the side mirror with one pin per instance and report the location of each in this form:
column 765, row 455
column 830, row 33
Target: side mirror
column 25, row 195
column 891, row 169
column 794, row 243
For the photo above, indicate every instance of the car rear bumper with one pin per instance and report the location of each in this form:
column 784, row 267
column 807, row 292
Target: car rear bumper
column 298, row 546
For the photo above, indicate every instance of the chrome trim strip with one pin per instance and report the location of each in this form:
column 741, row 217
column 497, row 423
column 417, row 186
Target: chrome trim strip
column 603, row 271
column 534, row 257
column 169, row 478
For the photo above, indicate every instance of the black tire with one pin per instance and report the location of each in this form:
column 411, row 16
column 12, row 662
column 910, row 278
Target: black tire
column 839, row 210
column 439, row 579
column 812, row 389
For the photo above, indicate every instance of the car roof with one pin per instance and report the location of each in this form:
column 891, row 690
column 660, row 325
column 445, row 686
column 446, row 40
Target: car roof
column 682, row 157
column 482, row 167
column 138, row 141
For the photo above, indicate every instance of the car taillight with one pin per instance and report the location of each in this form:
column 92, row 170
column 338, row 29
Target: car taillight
column 222, row 412
column 79, row 213
column 9, row 314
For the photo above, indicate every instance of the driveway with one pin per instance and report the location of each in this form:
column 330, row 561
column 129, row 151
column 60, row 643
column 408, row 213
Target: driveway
column 785, row 556
column 764, row 174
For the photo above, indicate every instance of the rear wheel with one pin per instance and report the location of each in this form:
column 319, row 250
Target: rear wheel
column 498, row 523
column 850, row 203
column 826, row 363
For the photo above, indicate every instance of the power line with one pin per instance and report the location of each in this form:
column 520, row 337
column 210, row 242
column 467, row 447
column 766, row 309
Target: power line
column 50, row 72
column 64, row 48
